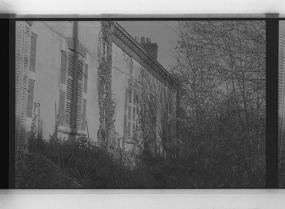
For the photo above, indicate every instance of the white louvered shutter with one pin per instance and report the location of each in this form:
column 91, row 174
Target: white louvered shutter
column 74, row 107
column 19, row 57
column 69, row 89
column 62, row 92
column 85, row 81
column 23, row 39
column 33, row 50
column 79, row 92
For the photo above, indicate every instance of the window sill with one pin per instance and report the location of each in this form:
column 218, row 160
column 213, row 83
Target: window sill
column 68, row 130
column 129, row 140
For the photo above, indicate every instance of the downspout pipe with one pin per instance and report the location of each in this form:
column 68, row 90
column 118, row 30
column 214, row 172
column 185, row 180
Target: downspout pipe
column 74, row 99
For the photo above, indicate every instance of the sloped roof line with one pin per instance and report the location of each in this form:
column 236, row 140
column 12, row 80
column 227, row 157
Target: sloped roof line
column 163, row 72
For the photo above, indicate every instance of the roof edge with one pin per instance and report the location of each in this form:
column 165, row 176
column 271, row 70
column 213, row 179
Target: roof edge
column 163, row 72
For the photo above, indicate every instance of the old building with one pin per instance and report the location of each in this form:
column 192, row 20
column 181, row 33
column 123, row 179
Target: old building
column 93, row 78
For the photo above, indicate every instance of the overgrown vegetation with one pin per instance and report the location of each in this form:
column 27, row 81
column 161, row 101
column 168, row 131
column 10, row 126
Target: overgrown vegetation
column 76, row 164
column 83, row 164
column 104, row 79
column 281, row 171
column 221, row 68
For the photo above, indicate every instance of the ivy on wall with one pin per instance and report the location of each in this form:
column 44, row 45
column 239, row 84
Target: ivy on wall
column 150, row 125
column 156, row 115
column 148, row 110
column 107, row 105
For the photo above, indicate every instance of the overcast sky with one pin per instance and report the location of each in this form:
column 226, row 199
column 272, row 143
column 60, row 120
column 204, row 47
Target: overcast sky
column 159, row 32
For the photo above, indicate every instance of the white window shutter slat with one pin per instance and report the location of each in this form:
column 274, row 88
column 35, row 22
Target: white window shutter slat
column 33, row 52
column 83, row 114
column 84, row 103
column 125, row 133
column 69, row 90
column 62, row 93
column 79, row 92
column 30, row 101
column 19, row 46
column 22, row 67
column 73, row 110
column 85, row 78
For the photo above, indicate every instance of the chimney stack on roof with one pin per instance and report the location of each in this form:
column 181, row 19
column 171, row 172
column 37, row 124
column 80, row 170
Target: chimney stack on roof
column 138, row 39
column 151, row 48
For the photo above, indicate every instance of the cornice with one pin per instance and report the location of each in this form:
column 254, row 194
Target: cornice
column 130, row 46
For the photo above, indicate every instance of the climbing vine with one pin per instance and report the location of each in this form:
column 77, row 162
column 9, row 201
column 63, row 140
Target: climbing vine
column 148, row 110
column 156, row 115
column 106, row 104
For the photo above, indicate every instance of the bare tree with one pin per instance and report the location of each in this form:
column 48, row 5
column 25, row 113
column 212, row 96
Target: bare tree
column 221, row 65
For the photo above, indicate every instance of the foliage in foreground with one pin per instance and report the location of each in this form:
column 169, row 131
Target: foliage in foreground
column 83, row 164
column 76, row 164
column 281, row 171
column 222, row 114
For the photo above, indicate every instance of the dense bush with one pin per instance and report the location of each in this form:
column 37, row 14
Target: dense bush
column 281, row 171
column 225, row 156
column 78, row 163
column 222, row 102
column 37, row 171
column 205, row 162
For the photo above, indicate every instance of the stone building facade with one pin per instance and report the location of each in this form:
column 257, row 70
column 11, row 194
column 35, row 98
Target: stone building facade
column 92, row 78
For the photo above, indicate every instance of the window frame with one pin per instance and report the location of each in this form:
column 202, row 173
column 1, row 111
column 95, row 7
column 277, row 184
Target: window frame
column 74, row 128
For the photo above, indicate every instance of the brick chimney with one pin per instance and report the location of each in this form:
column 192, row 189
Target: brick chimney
column 138, row 39
column 151, row 48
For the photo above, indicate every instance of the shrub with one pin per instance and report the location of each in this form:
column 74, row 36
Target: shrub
column 281, row 171
column 78, row 163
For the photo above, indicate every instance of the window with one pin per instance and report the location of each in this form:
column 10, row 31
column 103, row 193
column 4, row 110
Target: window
column 134, row 114
column 129, row 129
column 130, row 95
column 129, row 112
column 135, row 97
column 72, row 105
column 74, row 91
column 134, row 129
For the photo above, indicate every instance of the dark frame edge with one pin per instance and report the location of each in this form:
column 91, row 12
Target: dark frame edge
column 11, row 181
column 272, row 33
